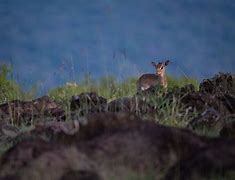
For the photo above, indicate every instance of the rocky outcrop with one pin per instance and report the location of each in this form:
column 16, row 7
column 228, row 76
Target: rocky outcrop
column 28, row 112
column 107, row 142
column 213, row 102
column 220, row 84
column 111, row 141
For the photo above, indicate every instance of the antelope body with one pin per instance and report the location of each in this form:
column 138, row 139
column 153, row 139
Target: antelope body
column 147, row 81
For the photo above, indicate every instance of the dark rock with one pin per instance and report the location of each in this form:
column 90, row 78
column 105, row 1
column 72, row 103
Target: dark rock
column 212, row 102
column 59, row 163
column 26, row 112
column 210, row 110
column 21, row 154
column 215, row 161
column 107, row 142
column 228, row 130
column 100, row 123
column 88, row 103
column 123, row 104
column 80, row 175
column 10, row 177
column 229, row 102
column 8, row 131
column 111, row 141
column 54, row 131
column 210, row 118
column 201, row 102
column 44, row 103
column 37, row 159
column 135, row 144
column 124, row 140
column 134, row 105
column 220, row 84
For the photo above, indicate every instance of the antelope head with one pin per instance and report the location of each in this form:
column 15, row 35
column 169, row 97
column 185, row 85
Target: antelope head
column 160, row 67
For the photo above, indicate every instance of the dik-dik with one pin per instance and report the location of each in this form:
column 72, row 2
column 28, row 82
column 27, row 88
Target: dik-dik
column 150, row 80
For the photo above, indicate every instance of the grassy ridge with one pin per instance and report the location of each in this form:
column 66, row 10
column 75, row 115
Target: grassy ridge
column 169, row 113
column 108, row 87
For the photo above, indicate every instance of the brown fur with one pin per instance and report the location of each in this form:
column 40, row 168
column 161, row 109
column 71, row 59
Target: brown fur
column 147, row 81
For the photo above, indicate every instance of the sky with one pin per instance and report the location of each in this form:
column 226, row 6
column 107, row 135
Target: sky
column 50, row 42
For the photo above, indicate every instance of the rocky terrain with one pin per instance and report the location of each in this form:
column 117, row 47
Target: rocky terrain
column 123, row 138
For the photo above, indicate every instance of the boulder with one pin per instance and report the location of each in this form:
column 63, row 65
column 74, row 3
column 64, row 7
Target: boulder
column 86, row 103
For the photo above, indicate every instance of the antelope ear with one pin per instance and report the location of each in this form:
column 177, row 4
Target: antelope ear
column 167, row 62
column 154, row 64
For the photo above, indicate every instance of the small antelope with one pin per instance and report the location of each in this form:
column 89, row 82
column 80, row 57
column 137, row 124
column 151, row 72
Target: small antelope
column 149, row 80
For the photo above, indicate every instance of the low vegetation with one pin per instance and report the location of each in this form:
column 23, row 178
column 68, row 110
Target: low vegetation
column 9, row 89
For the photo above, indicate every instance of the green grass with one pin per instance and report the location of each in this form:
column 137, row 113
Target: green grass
column 107, row 87
column 169, row 111
column 182, row 81
column 9, row 89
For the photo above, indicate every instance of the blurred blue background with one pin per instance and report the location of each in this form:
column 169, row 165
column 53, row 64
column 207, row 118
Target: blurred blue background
column 49, row 42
